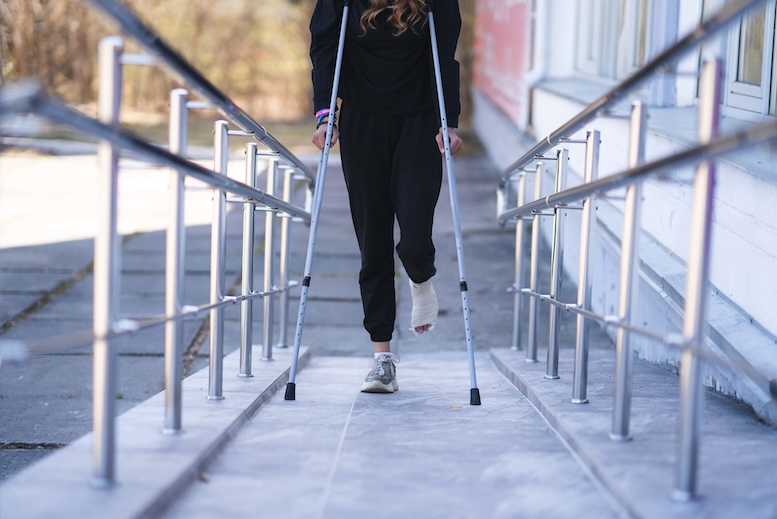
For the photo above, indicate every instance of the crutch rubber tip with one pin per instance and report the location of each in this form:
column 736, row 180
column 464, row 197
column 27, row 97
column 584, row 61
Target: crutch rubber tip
column 291, row 393
column 474, row 396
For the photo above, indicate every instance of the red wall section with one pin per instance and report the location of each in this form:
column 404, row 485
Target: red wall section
column 500, row 48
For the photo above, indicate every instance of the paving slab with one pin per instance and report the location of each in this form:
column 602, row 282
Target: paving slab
column 15, row 460
column 30, row 280
column 53, row 256
column 52, row 389
column 12, row 304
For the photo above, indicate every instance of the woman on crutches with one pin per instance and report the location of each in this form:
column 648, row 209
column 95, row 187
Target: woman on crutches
column 390, row 145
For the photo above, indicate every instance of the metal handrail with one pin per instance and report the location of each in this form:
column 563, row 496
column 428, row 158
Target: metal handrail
column 16, row 350
column 710, row 147
column 133, row 26
column 675, row 341
column 29, row 97
column 720, row 146
column 720, row 20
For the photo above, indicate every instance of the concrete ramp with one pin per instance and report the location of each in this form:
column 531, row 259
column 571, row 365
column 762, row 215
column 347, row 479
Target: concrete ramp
column 420, row 452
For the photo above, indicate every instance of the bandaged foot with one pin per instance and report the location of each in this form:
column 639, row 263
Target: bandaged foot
column 424, row 314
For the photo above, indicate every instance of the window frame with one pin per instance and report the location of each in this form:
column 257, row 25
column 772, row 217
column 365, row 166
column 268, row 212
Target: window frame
column 755, row 99
column 608, row 31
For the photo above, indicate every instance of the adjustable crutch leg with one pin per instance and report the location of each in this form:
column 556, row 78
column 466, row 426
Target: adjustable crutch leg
column 318, row 195
column 474, row 394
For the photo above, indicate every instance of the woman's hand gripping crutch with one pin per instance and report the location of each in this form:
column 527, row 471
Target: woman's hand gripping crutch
column 474, row 394
column 318, row 196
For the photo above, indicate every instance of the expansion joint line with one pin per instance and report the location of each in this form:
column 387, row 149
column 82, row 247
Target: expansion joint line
column 335, row 463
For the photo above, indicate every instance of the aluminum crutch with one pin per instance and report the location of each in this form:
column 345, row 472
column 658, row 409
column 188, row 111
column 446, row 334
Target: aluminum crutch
column 318, row 196
column 474, row 392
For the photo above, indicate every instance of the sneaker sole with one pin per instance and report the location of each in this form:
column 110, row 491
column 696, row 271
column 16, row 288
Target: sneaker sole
column 378, row 387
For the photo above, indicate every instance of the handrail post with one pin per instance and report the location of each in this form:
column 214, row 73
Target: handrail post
column 217, row 257
column 520, row 224
column 691, row 391
column 175, row 267
column 556, row 268
column 107, row 269
column 283, row 271
column 247, row 305
column 534, row 271
column 587, row 228
column 629, row 276
column 269, row 260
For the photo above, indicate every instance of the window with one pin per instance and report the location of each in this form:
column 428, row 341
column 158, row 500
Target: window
column 634, row 44
column 750, row 83
column 641, row 52
column 614, row 36
column 590, row 35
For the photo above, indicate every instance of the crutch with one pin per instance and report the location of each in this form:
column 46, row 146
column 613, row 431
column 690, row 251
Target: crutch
column 474, row 392
column 318, row 196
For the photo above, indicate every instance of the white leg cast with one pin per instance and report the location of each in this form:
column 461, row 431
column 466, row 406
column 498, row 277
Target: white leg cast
column 424, row 305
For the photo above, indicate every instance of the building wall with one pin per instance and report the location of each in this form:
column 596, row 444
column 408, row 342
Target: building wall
column 500, row 52
column 561, row 82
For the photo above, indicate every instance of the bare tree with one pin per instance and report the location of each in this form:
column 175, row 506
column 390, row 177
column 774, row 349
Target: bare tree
column 53, row 40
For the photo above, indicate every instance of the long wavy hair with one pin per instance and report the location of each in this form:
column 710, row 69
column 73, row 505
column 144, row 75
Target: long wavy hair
column 406, row 14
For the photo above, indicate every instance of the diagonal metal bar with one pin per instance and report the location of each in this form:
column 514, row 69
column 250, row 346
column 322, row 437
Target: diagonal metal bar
column 715, row 148
column 134, row 27
column 29, row 97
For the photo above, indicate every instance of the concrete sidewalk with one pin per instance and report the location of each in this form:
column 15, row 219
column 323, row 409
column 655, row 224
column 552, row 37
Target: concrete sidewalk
column 334, row 452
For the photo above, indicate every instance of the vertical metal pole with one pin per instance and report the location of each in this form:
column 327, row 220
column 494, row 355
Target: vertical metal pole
column 247, row 305
column 629, row 277
column 520, row 225
column 107, row 268
column 587, row 228
column 269, row 262
column 283, row 272
column 691, row 391
column 556, row 268
column 175, row 268
column 534, row 271
column 217, row 256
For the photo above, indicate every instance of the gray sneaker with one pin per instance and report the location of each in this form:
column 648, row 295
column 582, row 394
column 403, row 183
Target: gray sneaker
column 383, row 377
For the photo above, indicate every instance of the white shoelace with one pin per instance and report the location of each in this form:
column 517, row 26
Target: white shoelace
column 381, row 360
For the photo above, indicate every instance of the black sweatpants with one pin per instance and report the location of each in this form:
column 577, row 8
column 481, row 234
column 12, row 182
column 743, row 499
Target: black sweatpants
column 392, row 168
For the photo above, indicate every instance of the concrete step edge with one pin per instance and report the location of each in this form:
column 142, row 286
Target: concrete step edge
column 152, row 469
